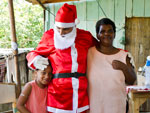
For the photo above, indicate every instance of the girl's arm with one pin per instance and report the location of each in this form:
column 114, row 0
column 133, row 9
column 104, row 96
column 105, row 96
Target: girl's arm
column 23, row 99
column 127, row 69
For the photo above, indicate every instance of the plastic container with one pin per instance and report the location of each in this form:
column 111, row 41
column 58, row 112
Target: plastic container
column 147, row 73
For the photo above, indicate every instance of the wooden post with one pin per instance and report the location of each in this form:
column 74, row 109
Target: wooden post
column 14, row 47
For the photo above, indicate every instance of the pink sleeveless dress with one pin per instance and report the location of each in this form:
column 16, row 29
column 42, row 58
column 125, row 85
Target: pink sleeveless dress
column 106, row 85
column 36, row 102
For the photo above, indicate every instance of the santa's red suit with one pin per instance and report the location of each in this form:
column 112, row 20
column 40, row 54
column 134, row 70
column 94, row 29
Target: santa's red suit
column 69, row 94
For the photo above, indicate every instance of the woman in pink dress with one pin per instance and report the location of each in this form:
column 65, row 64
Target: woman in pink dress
column 109, row 69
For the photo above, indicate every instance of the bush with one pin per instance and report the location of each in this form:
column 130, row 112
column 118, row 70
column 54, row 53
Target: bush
column 29, row 24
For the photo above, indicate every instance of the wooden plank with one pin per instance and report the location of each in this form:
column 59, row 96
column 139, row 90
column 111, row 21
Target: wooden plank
column 137, row 36
column 138, row 8
column 48, row 1
column 138, row 41
column 147, row 8
column 108, row 6
column 118, row 39
column 11, row 111
column 56, row 7
column 52, row 18
column 47, row 22
column 129, row 8
column 129, row 39
column 48, row 18
column 120, row 13
column 119, row 21
column 81, row 10
column 144, row 27
column 7, row 94
column 134, row 38
column 92, row 10
column 90, row 26
column 82, row 25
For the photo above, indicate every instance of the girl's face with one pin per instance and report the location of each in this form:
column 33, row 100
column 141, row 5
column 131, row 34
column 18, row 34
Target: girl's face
column 106, row 35
column 43, row 77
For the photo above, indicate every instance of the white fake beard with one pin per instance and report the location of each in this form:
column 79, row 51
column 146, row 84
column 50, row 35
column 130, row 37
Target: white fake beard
column 64, row 41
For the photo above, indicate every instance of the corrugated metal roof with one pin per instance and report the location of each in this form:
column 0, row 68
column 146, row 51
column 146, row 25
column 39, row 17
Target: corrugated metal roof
column 48, row 1
column 7, row 52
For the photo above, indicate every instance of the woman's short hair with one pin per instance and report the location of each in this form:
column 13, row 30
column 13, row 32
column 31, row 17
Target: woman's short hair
column 105, row 21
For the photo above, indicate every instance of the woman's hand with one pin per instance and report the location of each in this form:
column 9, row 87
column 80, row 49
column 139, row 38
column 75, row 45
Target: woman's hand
column 118, row 65
column 127, row 70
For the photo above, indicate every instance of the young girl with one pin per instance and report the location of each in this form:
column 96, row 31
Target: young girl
column 33, row 97
column 108, row 70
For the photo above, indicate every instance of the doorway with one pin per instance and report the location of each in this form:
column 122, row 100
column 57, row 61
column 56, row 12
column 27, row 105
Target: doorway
column 138, row 39
column 137, row 33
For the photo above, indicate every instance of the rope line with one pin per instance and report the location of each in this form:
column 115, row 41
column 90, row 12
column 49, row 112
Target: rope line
column 44, row 7
column 101, row 8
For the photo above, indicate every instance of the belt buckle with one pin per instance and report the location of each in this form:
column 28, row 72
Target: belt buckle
column 75, row 75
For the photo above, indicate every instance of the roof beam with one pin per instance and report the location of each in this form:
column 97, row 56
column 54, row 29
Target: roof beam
column 49, row 1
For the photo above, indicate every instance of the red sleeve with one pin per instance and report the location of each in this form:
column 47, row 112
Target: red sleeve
column 92, row 40
column 44, row 48
column 87, row 39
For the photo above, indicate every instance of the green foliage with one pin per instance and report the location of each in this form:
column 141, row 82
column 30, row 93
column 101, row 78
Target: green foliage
column 29, row 24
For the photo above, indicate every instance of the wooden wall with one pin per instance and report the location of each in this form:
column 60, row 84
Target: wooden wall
column 89, row 12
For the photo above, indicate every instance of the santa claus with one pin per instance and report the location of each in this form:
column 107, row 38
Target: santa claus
column 66, row 47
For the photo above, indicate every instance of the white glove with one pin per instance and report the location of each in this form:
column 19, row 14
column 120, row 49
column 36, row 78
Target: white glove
column 40, row 62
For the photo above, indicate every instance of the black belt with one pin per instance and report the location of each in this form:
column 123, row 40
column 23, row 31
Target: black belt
column 68, row 75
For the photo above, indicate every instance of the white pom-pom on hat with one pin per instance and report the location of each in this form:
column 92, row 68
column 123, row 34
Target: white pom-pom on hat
column 77, row 21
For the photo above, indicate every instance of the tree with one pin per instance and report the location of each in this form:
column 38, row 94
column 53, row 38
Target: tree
column 29, row 24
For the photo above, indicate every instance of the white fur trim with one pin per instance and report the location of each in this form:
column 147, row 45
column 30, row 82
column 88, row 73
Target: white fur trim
column 75, row 81
column 75, row 85
column 74, row 55
column 77, row 21
column 56, row 110
column 64, row 25
column 83, row 109
column 35, row 58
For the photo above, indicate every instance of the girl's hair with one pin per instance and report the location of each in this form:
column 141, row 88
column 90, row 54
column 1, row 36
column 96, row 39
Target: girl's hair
column 105, row 21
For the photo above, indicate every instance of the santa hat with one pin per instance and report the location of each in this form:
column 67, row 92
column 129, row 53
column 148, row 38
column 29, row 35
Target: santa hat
column 66, row 16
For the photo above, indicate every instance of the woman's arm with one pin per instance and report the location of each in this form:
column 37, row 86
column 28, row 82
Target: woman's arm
column 127, row 69
column 130, row 75
column 23, row 99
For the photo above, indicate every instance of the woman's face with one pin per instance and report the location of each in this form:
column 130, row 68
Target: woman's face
column 106, row 35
